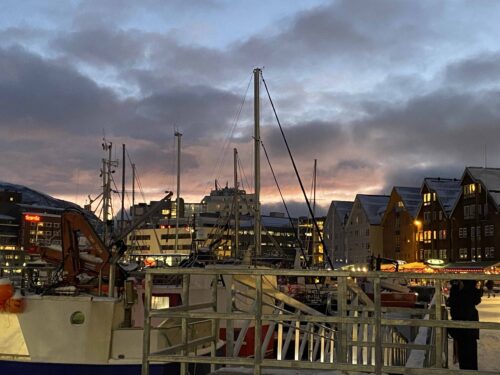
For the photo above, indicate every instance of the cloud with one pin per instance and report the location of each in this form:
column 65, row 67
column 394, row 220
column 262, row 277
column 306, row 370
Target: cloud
column 37, row 93
column 379, row 92
column 479, row 70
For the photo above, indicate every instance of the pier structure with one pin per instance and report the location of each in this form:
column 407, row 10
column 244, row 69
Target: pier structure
column 356, row 331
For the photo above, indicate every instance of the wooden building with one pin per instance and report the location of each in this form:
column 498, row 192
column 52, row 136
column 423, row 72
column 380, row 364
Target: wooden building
column 399, row 230
column 475, row 221
column 434, row 223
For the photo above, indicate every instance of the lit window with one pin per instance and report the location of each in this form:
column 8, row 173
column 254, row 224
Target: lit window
column 427, row 199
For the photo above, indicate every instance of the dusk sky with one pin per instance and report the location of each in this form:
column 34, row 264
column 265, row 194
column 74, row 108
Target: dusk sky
column 381, row 93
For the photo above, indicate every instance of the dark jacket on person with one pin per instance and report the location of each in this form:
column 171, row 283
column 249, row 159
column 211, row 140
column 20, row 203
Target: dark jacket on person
column 464, row 296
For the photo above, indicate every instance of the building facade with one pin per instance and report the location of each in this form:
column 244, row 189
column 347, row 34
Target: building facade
column 364, row 232
column 476, row 218
column 335, row 230
column 434, row 222
column 399, row 224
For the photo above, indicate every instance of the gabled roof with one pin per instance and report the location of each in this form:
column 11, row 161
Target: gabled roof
column 447, row 191
column 342, row 208
column 411, row 198
column 489, row 177
column 374, row 206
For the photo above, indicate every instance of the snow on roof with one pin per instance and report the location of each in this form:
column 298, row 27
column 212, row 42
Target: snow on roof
column 447, row 191
column 343, row 208
column 411, row 198
column 490, row 178
column 33, row 197
column 374, row 206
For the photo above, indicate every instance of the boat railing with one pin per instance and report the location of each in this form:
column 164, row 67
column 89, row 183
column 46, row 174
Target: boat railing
column 361, row 333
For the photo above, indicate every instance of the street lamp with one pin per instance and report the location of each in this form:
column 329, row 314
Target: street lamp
column 417, row 224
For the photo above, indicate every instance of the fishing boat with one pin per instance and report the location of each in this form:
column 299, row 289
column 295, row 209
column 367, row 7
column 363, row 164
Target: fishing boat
column 73, row 318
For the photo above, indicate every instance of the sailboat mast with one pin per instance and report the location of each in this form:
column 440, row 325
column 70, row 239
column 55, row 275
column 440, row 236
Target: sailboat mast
column 177, row 201
column 313, row 229
column 236, row 250
column 257, row 223
column 122, row 214
column 133, row 193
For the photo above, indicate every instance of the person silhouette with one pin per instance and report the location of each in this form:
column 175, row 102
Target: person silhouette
column 464, row 296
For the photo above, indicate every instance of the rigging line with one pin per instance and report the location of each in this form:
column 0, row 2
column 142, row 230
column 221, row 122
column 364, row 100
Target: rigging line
column 242, row 173
column 316, row 226
column 286, row 207
column 227, row 141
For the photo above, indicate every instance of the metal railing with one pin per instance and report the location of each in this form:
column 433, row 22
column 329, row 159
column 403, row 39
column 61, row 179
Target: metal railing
column 361, row 335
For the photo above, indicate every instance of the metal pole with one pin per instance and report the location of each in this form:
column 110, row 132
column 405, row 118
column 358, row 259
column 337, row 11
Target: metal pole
column 177, row 202
column 236, row 249
column 104, row 199
column 122, row 214
column 133, row 193
column 257, row 224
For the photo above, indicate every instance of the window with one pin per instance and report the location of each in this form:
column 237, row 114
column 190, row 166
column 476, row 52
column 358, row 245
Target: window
column 56, row 225
column 442, row 254
column 442, row 234
column 462, row 232
column 470, row 189
column 472, row 232
column 440, row 215
column 462, row 253
column 401, row 204
column 466, row 212
column 489, row 252
column 427, row 236
column 488, row 230
column 427, row 199
column 427, row 217
column 473, row 253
